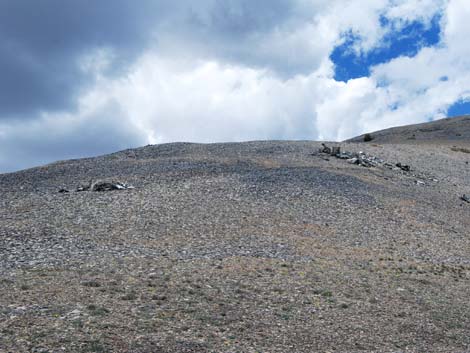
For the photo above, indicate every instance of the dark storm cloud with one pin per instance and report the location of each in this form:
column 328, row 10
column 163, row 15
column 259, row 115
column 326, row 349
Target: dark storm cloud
column 251, row 33
column 41, row 41
column 239, row 18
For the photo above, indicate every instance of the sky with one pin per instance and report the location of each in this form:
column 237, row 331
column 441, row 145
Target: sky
column 84, row 78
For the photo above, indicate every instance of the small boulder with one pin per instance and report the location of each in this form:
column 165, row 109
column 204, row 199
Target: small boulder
column 325, row 149
column 353, row 160
column 405, row 168
column 335, row 151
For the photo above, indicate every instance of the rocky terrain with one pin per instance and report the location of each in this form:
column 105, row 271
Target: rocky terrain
column 444, row 130
column 243, row 247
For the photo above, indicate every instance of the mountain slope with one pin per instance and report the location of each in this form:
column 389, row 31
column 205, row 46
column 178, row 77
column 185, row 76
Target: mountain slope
column 259, row 246
column 450, row 129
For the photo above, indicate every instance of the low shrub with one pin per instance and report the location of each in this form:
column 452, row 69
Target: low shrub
column 368, row 138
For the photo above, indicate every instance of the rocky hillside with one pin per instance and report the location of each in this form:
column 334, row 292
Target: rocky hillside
column 445, row 131
column 249, row 247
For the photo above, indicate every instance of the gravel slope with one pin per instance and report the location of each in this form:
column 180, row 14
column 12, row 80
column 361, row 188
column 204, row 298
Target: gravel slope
column 456, row 129
column 248, row 247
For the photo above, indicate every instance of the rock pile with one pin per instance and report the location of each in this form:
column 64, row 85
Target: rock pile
column 369, row 161
column 360, row 158
column 109, row 186
column 100, row 186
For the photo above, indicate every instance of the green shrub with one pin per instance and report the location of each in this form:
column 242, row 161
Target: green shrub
column 368, row 138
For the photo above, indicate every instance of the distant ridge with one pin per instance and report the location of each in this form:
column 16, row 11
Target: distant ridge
column 448, row 129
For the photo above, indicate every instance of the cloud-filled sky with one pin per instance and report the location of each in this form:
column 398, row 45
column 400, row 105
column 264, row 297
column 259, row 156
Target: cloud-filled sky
column 83, row 78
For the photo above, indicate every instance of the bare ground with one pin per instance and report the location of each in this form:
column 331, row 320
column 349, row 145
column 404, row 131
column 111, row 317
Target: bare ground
column 252, row 247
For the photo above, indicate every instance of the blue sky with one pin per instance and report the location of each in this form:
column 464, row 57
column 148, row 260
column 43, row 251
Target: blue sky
column 459, row 108
column 82, row 79
column 405, row 41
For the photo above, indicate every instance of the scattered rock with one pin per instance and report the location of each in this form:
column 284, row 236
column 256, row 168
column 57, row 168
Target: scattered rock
column 465, row 198
column 405, row 168
column 344, row 156
column 63, row 191
column 335, row 151
column 353, row 160
column 196, row 254
column 159, row 297
column 39, row 350
column 325, row 149
column 92, row 284
column 129, row 296
column 74, row 315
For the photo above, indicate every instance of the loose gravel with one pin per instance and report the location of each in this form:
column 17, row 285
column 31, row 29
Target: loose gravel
column 241, row 247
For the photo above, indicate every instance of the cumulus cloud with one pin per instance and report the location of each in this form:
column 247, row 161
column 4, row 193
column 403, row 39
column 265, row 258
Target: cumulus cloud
column 406, row 89
column 84, row 80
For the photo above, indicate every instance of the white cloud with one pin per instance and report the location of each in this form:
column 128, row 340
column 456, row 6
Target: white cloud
column 206, row 101
column 405, row 90
column 404, row 11
column 457, row 27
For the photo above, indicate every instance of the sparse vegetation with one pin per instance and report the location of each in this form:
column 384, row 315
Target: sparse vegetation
column 215, row 252
column 460, row 149
column 94, row 346
column 92, row 284
column 25, row 287
column 129, row 296
column 368, row 138
column 97, row 310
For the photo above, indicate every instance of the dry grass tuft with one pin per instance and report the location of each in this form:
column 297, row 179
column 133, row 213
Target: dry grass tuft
column 460, row 149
